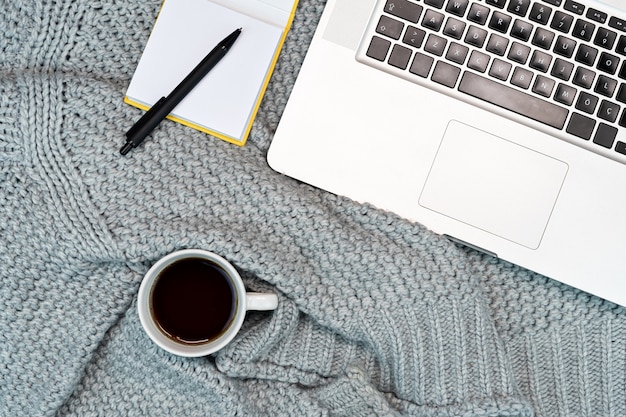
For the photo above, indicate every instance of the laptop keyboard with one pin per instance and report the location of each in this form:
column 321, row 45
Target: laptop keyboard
column 559, row 64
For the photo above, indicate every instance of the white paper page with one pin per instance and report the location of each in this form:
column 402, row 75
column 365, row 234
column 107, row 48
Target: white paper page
column 275, row 12
column 185, row 32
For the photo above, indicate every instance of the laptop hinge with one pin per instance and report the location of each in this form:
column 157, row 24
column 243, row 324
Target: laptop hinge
column 471, row 246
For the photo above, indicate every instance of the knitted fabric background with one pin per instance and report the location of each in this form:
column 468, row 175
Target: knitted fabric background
column 377, row 316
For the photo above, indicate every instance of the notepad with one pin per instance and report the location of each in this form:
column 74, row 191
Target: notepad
column 226, row 101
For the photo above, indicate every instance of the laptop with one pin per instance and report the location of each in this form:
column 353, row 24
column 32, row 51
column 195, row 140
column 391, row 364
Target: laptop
column 500, row 124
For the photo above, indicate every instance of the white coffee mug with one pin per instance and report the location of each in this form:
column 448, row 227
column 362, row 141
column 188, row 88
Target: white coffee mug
column 193, row 302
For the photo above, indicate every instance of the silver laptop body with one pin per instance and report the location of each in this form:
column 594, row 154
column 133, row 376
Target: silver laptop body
column 492, row 122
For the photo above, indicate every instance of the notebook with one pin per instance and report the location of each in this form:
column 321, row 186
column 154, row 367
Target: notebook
column 498, row 123
column 225, row 102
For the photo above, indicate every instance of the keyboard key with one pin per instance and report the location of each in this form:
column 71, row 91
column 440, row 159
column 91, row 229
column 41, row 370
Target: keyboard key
column 457, row 7
column 562, row 22
column 597, row 15
column 622, row 121
column 378, row 48
column 574, row 7
column 454, row 28
column 400, row 56
column 556, row 3
column 478, row 14
column 580, row 126
column 565, row 94
column 586, row 55
column 543, row 86
column 608, row 63
column 584, row 77
column 605, row 136
column 414, row 37
column 404, row 9
column 521, row 30
column 445, row 74
column 605, row 86
column 621, row 45
column 435, row 44
column 500, row 69
column 500, row 22
column 435, row 3
column 587, row 102
column 457, row 53
column 540, row 61
column 621, row 146
column 497, row 3
column 514, row 100
column 497, row 44
column 583, row 30
column 622, row 71
column 540, row 13
column 519, row 7
column 432, row 20
column 476, row 36
column 564, row 46
column 543, row 38
column 421, row 65
column 621, row 93
column 521, row 77
column 605, row 38
column 478, row 61
column 519, row 53
column 618, row 24
column 390, row 27
column 608, row 111
column 562, row 69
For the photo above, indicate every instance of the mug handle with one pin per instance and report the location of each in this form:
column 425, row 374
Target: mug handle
column 261, row 301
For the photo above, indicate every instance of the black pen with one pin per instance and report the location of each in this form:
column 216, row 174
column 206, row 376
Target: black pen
column 165, row 105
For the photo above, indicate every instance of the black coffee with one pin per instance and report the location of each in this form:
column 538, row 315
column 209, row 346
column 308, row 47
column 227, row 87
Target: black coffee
column 193, row 301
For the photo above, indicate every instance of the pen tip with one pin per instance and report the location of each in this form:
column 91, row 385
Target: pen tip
column 126, row 148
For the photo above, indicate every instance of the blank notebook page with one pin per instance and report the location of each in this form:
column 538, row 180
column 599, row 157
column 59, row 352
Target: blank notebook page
column 184, row 33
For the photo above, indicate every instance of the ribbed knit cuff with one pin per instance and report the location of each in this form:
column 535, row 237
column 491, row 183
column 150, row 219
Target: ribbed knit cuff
column 578, row 371
column 444, row 356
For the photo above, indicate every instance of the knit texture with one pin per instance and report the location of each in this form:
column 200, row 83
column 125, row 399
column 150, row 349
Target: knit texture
column 377, row 316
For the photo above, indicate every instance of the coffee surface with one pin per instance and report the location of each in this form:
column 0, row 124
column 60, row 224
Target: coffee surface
column 193, row 301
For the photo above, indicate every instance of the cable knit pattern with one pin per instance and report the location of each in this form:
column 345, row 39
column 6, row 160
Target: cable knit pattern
column 377, row 316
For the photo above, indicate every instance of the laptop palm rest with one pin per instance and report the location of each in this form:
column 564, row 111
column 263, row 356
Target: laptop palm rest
column 511, row 196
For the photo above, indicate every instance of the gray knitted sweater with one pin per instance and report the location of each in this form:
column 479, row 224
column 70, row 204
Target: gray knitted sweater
column 377, row 316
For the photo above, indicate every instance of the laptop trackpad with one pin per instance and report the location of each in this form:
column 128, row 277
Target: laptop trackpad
column 493, row 184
